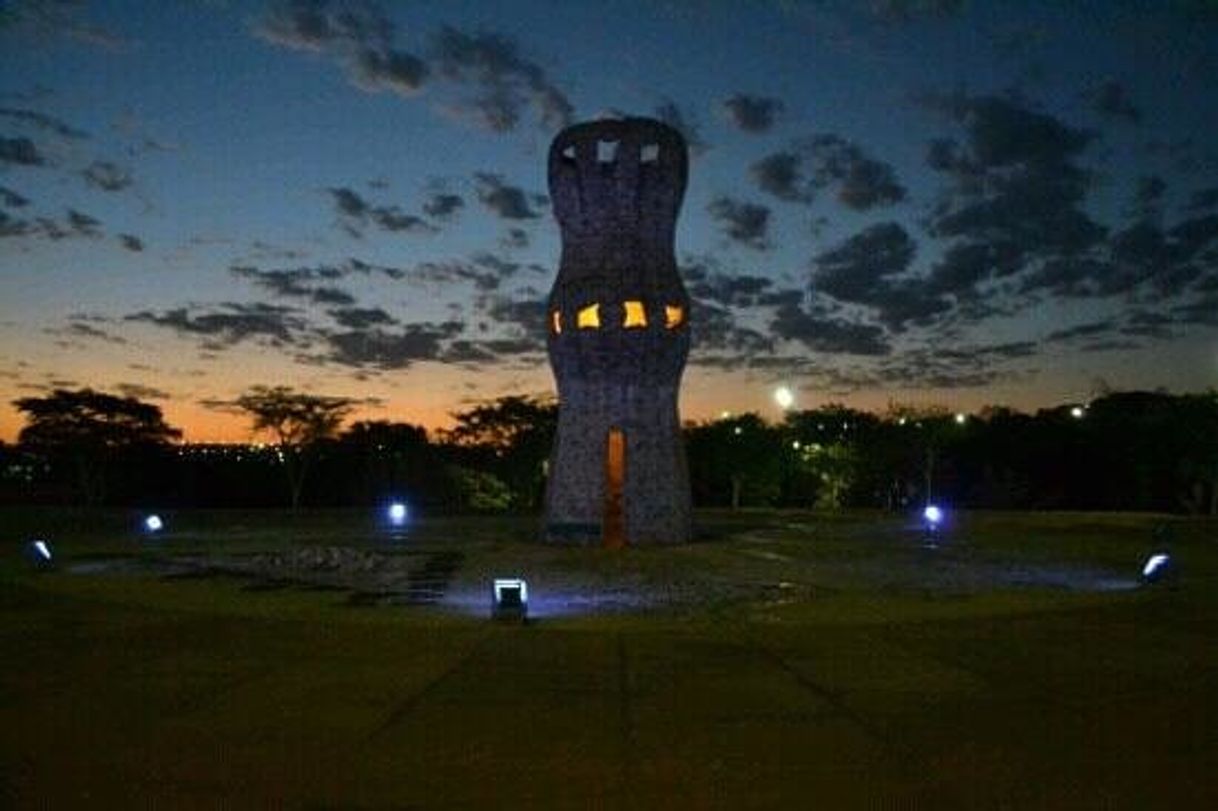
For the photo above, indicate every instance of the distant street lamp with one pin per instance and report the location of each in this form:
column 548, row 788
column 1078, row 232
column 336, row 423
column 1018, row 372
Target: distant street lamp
column 960, row 419
column 1077, row 412
column 784, row 397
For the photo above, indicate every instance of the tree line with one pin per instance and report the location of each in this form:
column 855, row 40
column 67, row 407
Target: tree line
column 1122, row 451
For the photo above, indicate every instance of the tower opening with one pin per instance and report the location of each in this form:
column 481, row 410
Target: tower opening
column 613, row 526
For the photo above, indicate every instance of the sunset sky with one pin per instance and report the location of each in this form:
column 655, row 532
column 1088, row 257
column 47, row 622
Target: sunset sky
column 958, row 203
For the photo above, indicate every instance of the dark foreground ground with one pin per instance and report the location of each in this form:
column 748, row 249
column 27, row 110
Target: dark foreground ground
column 785, row 661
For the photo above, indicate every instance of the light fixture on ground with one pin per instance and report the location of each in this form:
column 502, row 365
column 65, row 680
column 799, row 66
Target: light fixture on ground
column 153, row 523
column 39, row 553
column 397, row 513
column 933, row 515
column 961, row 418
column 1158, row 567
column 510, row 599
column 1077, row 412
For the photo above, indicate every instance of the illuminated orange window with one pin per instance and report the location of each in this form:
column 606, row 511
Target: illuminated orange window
column 673, row 316
column 556, row 321
column 636, row 316
column 589, row 317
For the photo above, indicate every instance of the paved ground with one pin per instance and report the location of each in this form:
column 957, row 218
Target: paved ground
column 132, row 691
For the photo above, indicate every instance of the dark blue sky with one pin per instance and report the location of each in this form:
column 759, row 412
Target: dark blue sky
column 935, row 202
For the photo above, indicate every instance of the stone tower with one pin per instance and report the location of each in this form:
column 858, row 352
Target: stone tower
column 618, row 336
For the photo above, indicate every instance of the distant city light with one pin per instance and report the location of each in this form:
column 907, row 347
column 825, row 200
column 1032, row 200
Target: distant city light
column 960, row 419
column 511, row 598
column 901, row 421
column 397, row 513
column 795, row 444
column 784, row 397
column 1077, row 412
column 1155, row 567
column 724, row 415
column 153, row 523
column 933, row 515
column 42, row 549
column 737, row 430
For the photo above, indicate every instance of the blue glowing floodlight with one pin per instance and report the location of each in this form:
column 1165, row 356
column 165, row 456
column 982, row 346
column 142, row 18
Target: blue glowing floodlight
column 39, row 554
column 153, row 523
column 511, row 599
column 397, row 513
column 1157, row 567
column 933, row 515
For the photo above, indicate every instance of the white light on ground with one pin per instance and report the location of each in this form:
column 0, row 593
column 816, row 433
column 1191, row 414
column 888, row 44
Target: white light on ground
column 960, row 418
column 1077, row 412
column 511, row 597
column 933, row 515
column 1154, row 566
column 43, row 549
column 153, row 523
column 795, row 444
column 784, row 397
column 397, row 513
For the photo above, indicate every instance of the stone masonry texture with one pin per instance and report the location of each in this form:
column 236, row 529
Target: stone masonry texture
column 617, row 187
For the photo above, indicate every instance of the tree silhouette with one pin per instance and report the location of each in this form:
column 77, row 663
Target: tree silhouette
column 89, row 428
column 512, row 437
column 298, row 422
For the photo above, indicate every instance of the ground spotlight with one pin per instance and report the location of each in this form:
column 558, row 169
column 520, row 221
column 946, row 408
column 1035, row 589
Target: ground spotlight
column 39, row 553
column 153, row 523
column 510, row 596
column 1158, row 567
column 397, row 513
column 933, row 515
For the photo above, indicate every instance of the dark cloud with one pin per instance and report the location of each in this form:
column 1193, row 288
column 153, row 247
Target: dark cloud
column 1015, row 198
column 48, row 19
column 780, row 174
column 743, row 222
column 1111, row 99
column 528, row 316
column 44, row 122
column 294, row 283
column 381, row 349
column 358, row 213
column 141, row 391
column 515, row 239
column 671, row 114
column 229, row 323
column 21, row 152
column 506, row 81
column 83, row 224
column 11, row 199
column 356, row 35
column 862, row 265
column 823, row 333
column 131, row 243
column 442, row 205
column 360, row 318
column 1148, row 196
column 716, row 328
column 505, row 201
column 861, row 181
column 828, row 162
column 1089, row 330
column 107, row 176
column 752, row 113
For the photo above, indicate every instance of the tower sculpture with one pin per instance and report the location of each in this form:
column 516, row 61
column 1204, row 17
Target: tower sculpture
column 618, row 336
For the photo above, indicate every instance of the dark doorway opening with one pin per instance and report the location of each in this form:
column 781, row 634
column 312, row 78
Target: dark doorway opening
column 613, row 527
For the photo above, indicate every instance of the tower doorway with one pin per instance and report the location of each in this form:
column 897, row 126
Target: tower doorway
column 613, row 525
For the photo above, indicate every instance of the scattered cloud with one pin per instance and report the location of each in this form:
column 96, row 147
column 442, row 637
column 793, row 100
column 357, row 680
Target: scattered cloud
column 295, row 283
column 828, row 162
column 824, row 333
column 442, row 205
column 228, row 323
column 49, row 19
column 11, row 199
column 131, row 243
column 355, row 35
column 751, row 113
column 505, row 80
column 668, row 112
column 42, row 121
column 502, row 199
column 357, row 214
column 743, row 222
column 107, row 176
column 781, row 175
column 20, row 151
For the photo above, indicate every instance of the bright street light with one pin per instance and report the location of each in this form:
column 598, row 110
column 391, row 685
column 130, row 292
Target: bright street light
column 784, row 397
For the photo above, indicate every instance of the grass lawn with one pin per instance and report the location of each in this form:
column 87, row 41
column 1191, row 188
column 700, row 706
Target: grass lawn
column 788, row 660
